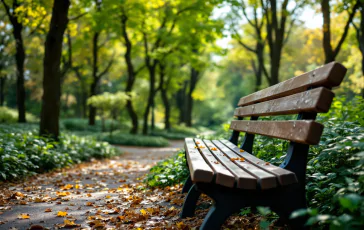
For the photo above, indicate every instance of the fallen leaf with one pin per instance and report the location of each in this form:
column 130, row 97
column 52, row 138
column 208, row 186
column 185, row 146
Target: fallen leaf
column 24, row 216
column 62, row 214
column 48, row 210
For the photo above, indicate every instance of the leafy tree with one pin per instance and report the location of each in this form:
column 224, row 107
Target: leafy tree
column 277, row 32
column 49, row 123
column 330, row 52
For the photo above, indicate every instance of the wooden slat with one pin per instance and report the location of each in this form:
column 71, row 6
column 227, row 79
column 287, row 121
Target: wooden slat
column 285, row 177
column 244, row 180
column 222, row 175
column 329, row 75
column 316, row 100
column 266, row 180
column 302, row 131
column 200, row 171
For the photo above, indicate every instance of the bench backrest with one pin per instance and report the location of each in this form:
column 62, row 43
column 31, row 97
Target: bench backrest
column 305, row 95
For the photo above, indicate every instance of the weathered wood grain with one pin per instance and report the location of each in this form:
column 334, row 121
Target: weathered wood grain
column 266, row 180
column 316, row 100
column 285, row 177
column 301, row 131
column 222, row 175
column 243, row 179
column 200, row 171
column 329, row 75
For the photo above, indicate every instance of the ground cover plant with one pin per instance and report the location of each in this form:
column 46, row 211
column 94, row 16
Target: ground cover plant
column 23, row 152
column 335, row 181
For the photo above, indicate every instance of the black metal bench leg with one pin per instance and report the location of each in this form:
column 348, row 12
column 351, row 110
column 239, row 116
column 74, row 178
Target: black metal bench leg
column 293, row 203
column 216, row 217
column 187, row 186
column 189, row 206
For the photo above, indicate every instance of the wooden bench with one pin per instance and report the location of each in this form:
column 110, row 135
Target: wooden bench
column 234, row 178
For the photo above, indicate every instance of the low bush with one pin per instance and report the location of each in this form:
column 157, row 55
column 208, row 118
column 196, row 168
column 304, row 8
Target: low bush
column 23, row 153
column 179, row 132
column 119, row 138
column 8, row 115
column 79, row 124
column 170, row 171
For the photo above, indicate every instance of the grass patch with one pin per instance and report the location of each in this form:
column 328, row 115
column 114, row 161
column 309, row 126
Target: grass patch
column 23, row 152
column 119, row 138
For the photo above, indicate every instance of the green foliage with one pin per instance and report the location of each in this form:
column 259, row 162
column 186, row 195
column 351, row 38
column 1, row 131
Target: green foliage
column 23, row 153
column 119, row 138
column 170, row 171
column 178, row 132
column 8, row 115
column 78, row 124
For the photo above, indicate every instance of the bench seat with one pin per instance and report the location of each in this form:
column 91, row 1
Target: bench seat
column 221, row 162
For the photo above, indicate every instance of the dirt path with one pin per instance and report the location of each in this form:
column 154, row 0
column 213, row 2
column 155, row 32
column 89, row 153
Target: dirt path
column 106, row 193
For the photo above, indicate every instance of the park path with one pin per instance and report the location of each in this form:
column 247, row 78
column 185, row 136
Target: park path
column 89, row 194
column 106, row 194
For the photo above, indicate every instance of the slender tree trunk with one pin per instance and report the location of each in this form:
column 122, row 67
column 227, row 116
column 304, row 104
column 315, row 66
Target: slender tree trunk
column 20, row 59
column 95, row 79
column 2, row 90
column 131, row 74
column 259, row 72
column 181, row 102
column 49, row 123
column 167, row 109
column 151, row 95
column 163, row 87
column 189, row 101
column 329, row 54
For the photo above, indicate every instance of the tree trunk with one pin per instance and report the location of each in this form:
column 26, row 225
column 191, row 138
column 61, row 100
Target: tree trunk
column 181, row 102
column 259, row 72
column 131, row 75
column 95, row 80
column 49, row 123
column 163, row 87
column 20, row 59
column 329, row 54
column 189, row 101
column 2, row 91
column 150, row 101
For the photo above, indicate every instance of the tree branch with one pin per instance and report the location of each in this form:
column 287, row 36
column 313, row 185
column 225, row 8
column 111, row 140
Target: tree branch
column 106, row 68
column 346, row 29
column 242, row 43
column 37, row 27
column 139, row 69
column 7, row 9
column 78, row 16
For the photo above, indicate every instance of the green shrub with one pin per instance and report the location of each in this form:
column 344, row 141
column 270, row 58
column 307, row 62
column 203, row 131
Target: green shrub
column 79, row 124
column 178, row 132
column 170, row 171
column 119, row 138
column 23, row 153
column 8, row 115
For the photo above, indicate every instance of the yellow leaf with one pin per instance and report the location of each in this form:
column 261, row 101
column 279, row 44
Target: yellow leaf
column 77, row 186
column 143, row 212
column 89, row 204
column 24, row 216
column 108, row 197
column 67, row 187
column 241, row 150
column 60, row 213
